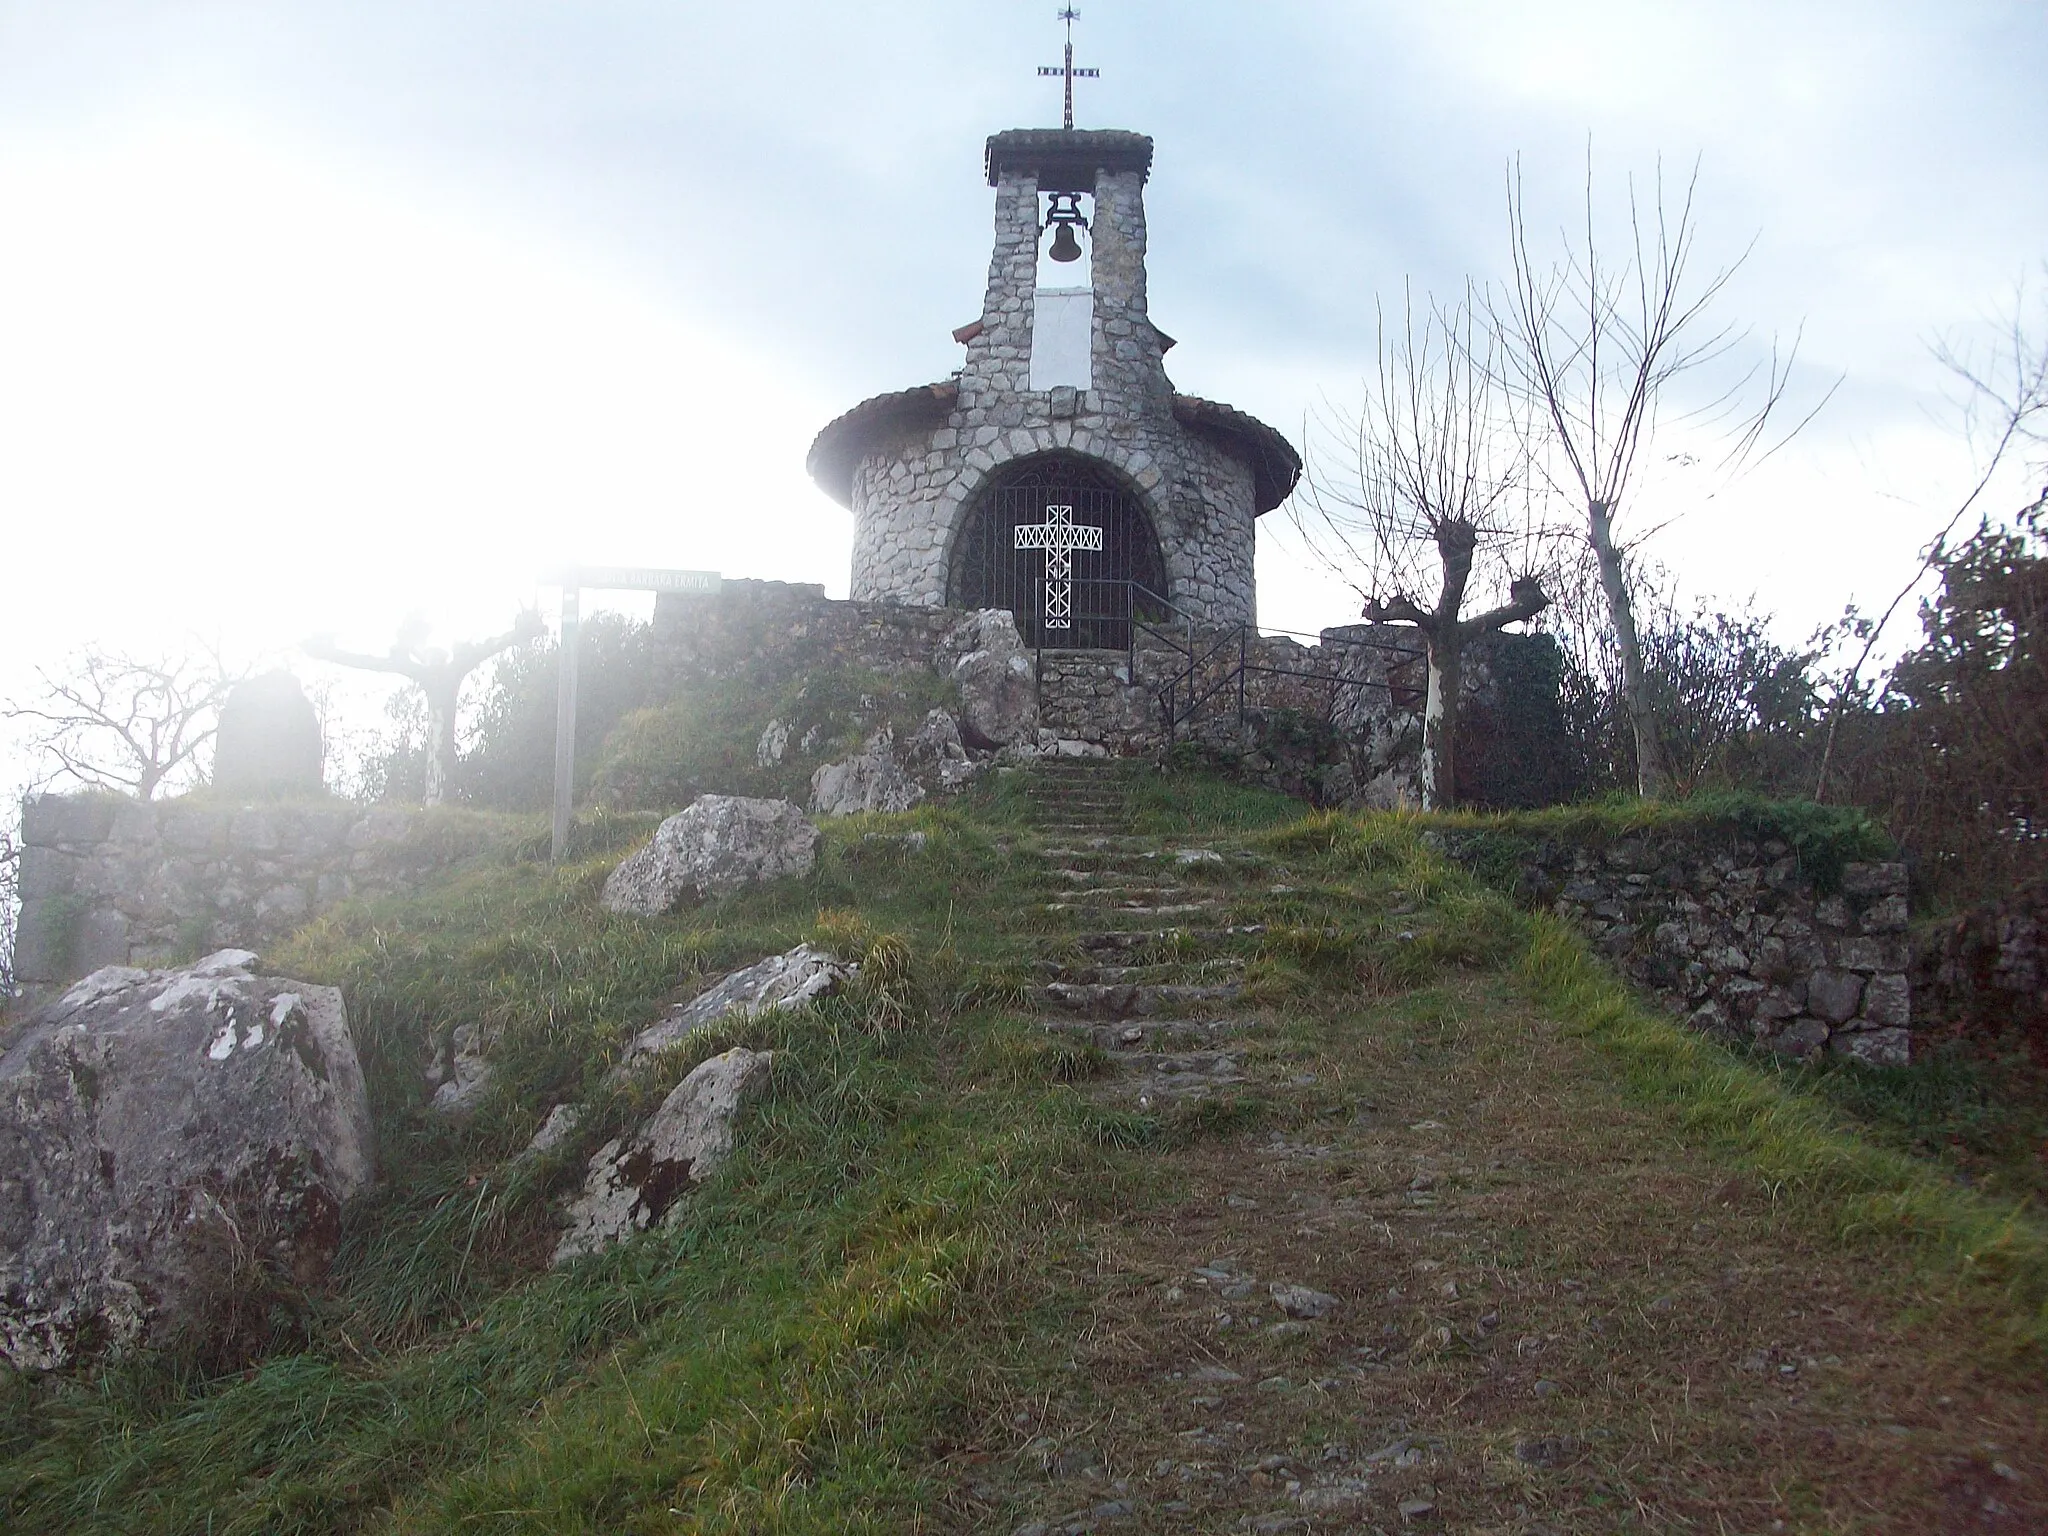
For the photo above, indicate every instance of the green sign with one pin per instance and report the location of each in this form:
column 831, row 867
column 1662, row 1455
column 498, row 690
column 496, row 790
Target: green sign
column 639, row 578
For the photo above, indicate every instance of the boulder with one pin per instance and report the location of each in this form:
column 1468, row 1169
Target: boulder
column 164, row 1136
column 721, row 844
column 460, row 1073
column 269, row 738
column 985, row 657
column 788, row 980
column 635, row 1181
column 871, row 780
column 1301, row 1301
column 562, row 1122
column 1875, row 1047
column 937, row 757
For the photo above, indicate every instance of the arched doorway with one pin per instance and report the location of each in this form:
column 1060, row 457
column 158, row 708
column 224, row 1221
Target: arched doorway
column 1126, row 574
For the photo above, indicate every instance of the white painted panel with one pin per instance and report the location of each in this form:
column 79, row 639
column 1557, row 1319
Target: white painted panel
column 1062, row 337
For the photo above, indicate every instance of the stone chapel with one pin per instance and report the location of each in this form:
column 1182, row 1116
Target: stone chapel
column 1057, row 474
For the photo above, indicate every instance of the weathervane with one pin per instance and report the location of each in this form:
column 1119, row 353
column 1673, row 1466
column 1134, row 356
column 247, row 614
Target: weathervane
column 1069, row 15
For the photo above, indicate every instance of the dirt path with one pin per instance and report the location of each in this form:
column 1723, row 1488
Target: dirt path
column 1455, row 1278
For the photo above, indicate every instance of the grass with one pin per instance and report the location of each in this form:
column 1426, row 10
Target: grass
column 1823, row 838
column 771, row 1354
column 1797, row 1128
column 1169, row 802
column 1796, row 1140
column 913, row 1244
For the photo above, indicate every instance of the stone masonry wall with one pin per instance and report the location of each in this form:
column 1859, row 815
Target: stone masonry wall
column 1352, row 741
column 770, row 632
column 1984, row 972
column 1727, row 930
column 107, row 881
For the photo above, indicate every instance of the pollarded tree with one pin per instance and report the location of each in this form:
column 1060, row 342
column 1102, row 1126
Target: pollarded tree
column 1427, row 484
column 1596, row 345
column 438, row 674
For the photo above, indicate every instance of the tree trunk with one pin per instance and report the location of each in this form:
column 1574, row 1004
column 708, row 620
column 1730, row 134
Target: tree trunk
column 1653, row 778
column 1439, row 776
column 440, row 740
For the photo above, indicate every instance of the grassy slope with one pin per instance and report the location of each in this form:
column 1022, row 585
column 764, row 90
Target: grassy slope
column 890, row 1264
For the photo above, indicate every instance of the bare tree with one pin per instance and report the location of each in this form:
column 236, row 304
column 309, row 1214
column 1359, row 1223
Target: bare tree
column 10, row 907
column 2004, row 411
column 1431, row 480
column 438, row 674
column 127, row 723
column 1596, row 345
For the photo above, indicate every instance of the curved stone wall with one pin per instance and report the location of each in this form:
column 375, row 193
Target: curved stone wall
column 909, row 505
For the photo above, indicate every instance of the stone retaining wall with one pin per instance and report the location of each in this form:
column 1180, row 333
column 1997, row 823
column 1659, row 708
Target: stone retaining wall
column 1984, row 973
column 1349, row 702
column 1728, row 930
column 107, row 881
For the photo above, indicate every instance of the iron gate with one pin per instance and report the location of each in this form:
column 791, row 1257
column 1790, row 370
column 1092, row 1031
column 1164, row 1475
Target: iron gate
column 990, row 571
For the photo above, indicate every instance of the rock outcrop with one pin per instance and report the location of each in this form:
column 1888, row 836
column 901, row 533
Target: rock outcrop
column 720, row 844
column 985, row 657
column 461, row 1070
column 636, row 1181
column 787, row 980
column 871, row 780
column 886, row 777
column 937, row 757
column 269, row 739
column 166, row 1136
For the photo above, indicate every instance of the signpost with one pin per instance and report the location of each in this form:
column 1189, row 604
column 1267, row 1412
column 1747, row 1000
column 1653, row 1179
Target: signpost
column 617, row 578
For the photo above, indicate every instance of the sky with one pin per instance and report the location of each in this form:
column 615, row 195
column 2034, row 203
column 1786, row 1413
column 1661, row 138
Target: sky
column 315, row 314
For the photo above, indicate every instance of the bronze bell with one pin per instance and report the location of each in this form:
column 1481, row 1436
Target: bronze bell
column 1062, row 218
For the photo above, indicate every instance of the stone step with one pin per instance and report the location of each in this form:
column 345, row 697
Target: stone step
column 1135, row 891
column 1158, row 972
column 1178, row 1075
column 1108, row 843
column 1142, row 858
column 1133, row 909
column 1126, row 1040
column 1132, row 1001
column 1126, row 940
column 1071, row 860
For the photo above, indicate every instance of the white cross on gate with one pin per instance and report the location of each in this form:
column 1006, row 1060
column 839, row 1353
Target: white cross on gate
column 1058, row 536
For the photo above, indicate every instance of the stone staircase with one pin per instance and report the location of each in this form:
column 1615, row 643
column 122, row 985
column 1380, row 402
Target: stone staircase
column 1149, row 977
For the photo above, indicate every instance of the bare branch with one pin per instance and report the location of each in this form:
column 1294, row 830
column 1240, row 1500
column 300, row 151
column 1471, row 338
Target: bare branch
column 1595, row 351
column 133, row 725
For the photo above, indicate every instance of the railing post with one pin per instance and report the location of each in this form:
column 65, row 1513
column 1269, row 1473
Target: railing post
column 1038, row 663
column 1243, row 648
column 1131, row 631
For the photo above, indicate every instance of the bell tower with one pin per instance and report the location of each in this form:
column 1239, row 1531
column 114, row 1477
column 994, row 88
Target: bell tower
column 1060, row 415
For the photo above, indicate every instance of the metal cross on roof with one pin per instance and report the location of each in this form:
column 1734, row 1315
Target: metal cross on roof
column 1069, row 15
